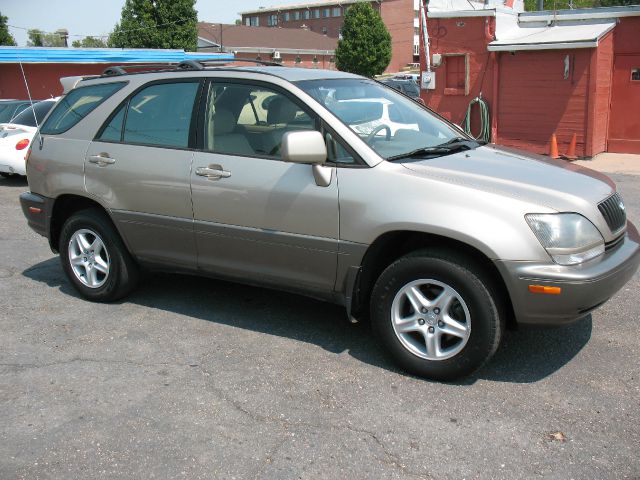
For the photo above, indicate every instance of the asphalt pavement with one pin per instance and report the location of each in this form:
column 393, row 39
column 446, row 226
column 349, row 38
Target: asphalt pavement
column 196, row 378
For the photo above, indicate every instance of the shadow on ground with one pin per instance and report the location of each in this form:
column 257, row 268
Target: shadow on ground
column 525, row 356
column 13, row 181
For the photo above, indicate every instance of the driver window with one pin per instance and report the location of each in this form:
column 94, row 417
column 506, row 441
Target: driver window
column 250, row 120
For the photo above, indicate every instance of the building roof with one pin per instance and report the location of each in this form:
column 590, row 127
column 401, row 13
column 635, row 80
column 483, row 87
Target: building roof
column 576, row 35
column 265, row 39
column 297, row 6
column 101, row 55
column 580, row 14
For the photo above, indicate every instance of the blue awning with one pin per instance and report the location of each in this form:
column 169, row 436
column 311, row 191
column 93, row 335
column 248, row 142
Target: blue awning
column 102, row 55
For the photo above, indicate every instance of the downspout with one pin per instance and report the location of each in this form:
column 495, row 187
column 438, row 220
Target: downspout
column 494, row 100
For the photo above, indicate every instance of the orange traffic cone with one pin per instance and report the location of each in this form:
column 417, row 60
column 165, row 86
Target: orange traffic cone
column 553, row 147
column 571, row 152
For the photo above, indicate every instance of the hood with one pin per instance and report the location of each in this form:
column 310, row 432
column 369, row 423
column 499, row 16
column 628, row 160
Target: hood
column 556, row 184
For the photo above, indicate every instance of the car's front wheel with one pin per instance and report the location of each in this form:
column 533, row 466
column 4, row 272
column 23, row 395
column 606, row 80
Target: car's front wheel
column 95, row 259
column 436, row 314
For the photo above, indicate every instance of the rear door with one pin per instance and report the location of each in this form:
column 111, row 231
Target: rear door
column 258, row 218
column 139, row 167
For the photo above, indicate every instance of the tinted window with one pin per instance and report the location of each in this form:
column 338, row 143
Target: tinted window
column 29, row 116
column 161, row 115
column 76, row 105
column 250, row 120
column 113, row 131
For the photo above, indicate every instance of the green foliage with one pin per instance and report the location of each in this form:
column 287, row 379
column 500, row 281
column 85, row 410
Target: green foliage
column 89, row 42
column 532, row 5
column 365, row 47
column 38, row 38
column 156, row 24
column 5, row 37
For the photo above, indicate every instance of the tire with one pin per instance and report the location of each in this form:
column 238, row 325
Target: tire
column 95, row 259
column 459, row 325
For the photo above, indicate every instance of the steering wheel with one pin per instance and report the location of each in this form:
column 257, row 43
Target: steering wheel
column 374, row 132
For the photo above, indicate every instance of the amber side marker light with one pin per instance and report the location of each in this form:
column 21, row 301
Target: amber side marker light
column 545, row 289
column 35, row 210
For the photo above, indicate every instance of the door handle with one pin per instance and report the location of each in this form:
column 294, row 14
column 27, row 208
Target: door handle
column 213, row 172
column 102, row 160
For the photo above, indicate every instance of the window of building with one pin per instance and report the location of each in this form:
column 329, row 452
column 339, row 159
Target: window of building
column 456, row 75
column 324, row 30
column 326, row 12
column 416, row 49
column 316, row 13
column 253, row 21
column 286, row 16
column 336, row 12
column 635, row 74
column 416, row 14
column 76, row 105
column 272, row 20
column 306, row 14
column 161, row 115
column 296, row 15
column 416, row 30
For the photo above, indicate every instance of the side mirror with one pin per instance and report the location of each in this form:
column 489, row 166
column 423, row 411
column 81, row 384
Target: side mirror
column 303, row 147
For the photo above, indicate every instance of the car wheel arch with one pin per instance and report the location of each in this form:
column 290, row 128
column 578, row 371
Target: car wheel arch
column 65, row 206
column 392, row 245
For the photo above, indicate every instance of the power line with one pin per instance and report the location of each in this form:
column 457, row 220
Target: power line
column 103, row 35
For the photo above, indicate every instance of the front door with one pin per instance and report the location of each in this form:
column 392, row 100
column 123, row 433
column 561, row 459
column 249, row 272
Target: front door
column 624, row 120
column 139, row 167
column 258, row 218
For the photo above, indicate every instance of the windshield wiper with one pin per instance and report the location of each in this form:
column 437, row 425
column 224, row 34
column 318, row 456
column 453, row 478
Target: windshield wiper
column 453, row 145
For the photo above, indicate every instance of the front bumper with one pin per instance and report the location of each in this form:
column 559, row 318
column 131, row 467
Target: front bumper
column 37, row 209
column 583, row 287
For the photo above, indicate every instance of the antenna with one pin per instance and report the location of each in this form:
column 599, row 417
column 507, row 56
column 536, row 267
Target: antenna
column 26, row 84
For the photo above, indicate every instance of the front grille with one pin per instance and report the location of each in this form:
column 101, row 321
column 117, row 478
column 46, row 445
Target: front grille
column 613, row 211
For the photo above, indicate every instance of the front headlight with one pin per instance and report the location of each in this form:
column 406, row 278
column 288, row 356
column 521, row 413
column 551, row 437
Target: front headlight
column 568, row 237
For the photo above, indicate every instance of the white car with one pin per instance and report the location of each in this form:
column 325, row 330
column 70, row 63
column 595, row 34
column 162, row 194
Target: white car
column 373, row 116
column 16, row 137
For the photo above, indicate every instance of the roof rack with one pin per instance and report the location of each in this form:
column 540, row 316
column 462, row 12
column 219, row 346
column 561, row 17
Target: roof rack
column 191, row 64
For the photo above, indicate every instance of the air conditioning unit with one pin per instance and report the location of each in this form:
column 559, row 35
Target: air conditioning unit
column 276, row 55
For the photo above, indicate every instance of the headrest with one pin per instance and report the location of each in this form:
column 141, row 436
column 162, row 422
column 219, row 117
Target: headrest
column 223, row 122
column 281, row 110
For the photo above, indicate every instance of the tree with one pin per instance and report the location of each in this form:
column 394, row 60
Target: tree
column 89, row 42
column 157, row 24
column 365, row 47
column 38, row 38
column 5, row 37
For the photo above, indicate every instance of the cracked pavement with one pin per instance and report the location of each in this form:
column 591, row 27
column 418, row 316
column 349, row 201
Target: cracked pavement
column 196, row 378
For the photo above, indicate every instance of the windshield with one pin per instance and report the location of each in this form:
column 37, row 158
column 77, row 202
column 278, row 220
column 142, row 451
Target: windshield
column 393, row 125
column 28, row 118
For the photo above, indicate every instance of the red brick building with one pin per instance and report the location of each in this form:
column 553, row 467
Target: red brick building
column 294, row 48
column 568, row 72
column 326, row 18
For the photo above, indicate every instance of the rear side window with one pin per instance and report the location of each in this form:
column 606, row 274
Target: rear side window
column 76, row 105
column 160, row 115
column 29, row 116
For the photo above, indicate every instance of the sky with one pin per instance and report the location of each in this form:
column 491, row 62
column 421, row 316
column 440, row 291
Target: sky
column 98, row 17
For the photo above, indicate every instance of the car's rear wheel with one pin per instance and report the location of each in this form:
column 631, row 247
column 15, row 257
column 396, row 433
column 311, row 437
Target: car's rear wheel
column 436, row 314
column 94, row 257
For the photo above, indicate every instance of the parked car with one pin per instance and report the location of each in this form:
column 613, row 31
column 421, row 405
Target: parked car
column 440, row 241
column 16, row 136
column 414, row 77
column 408, row 87
column 11, row 108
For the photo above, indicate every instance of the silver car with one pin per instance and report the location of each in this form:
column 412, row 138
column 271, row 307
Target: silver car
column 265, row 175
